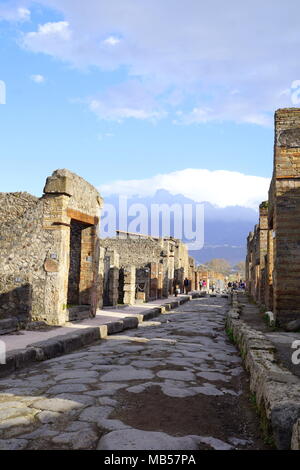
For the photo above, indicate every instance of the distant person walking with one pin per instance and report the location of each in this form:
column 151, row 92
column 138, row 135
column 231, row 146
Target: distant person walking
column 213, row 287
column 186, row 284
column 176, row 290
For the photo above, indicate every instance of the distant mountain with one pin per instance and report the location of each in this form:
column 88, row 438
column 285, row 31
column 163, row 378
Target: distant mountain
column 225, row 229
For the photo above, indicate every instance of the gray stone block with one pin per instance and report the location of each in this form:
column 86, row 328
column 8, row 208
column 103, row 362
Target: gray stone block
column 115, row 327
column 283, row 418
column 8, row 325
column 130, row 322
column 293, row 325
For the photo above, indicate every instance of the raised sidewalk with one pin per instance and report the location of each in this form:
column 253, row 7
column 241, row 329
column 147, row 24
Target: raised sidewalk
column 276, row 388
column 26, row 347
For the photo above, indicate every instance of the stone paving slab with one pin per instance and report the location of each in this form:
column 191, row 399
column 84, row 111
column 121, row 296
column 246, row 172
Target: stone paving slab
column 176, row 383
column 31, row 346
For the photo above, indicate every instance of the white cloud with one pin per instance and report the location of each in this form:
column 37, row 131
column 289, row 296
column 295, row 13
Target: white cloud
column 38, row 78
column 14, row 13
column 49, row 38
column 111, row 41
column 200, row 53
column 221, row 188
column 127, row 100
column 24, row 14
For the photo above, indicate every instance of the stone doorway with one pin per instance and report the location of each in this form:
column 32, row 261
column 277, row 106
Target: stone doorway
column 79, row 257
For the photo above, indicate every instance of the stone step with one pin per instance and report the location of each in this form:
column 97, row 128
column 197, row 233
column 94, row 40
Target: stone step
column 8, row 325
column 78, row 313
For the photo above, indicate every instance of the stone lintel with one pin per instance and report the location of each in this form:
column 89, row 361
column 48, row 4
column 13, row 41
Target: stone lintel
column 81, row 217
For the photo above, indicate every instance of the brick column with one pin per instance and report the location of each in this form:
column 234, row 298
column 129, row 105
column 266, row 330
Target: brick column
column 286, row 221
column 57, row 262
column 153, row 280
column 129, row 285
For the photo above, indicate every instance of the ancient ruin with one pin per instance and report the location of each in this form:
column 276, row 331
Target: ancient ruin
column 54, row 267
column 273, row 258
column 50, row 251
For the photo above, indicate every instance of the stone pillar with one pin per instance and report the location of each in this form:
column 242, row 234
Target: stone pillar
column 88, row 237
column 57, row 262
column 160, row 280
column 286, row 218
column 153, row 280
column 111, row 277
column 113, row 289
column 269, row 272
column 263, row 249
column 129, row 285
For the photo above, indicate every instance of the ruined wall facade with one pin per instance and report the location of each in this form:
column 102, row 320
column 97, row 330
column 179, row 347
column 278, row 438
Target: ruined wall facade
column 135, row 252
column 36, row 237
column 24, row 246
column 285, row 215
column 160, row 264
column 279, row 236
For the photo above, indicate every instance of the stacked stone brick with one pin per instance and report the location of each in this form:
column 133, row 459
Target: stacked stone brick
column 53, row 264
column 273, row 257
column 46, row 242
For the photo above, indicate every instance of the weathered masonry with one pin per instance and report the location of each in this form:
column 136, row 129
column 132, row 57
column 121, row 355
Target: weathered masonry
column 142, row 268
column 54, row 268
column 273, row 259
column 49, row 249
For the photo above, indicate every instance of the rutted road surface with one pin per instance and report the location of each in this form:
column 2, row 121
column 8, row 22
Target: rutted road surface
column 173, row 384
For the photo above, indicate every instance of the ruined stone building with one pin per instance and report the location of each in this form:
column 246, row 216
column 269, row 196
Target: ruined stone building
column 273, row 255
column 54, row 267
column 49, row 250
column 148, row 267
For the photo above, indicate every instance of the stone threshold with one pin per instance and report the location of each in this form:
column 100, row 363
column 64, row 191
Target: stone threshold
column 82, row 335
column 275, row 388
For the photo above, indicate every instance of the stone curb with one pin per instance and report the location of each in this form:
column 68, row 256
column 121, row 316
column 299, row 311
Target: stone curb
column 65, row 344
column 277, row 390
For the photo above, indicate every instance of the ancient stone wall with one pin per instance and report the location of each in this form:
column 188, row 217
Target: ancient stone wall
column 36, row 252
column 279, row 226
column 134, row 252
column 286, row 215
column 14, row 205
column 24, row 246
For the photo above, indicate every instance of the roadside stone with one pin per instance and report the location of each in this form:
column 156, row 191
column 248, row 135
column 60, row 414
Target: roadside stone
column 15, row 426
column 295, row 443
column 293, row 325
column 46, row 417
column 81, row 400
column 13, row 444
column 57, row 405
column 126, row 373
column 112, row 424
column 214, row 376
column 134, row 439
column 76, row 374
column 107, row 401
column 283, row 418
column 67, row 388
column 11, row 404
column 83, row 440
column 94, row 413
column 176, row 375
column 14, row 412
column 43, row 432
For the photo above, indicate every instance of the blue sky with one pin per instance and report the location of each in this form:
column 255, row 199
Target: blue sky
column 140, row 88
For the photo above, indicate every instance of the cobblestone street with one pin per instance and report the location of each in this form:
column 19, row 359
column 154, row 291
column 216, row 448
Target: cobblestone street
column 174, row 383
